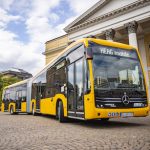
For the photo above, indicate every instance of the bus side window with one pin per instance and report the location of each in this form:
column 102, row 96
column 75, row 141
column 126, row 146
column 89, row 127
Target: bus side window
column 79, row 83
column 4, row 97
column 24, row 93
column 33, row 90
column 60, row 79
column 20, row 95
column 7, row 97
column 12, row 94
column 50, row 84
column 39, row 87
column 76, row 54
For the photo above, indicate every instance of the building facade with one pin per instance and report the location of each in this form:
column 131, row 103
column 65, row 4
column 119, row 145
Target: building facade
column 15, row 72
column 54, row 47
column 125, row 21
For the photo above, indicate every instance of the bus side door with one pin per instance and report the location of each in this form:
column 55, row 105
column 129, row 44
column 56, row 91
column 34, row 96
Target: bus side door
column 18, row 100
column 75, row 89
column 38, row 96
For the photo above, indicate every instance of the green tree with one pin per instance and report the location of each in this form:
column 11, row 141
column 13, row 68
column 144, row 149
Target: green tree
column 6, row 82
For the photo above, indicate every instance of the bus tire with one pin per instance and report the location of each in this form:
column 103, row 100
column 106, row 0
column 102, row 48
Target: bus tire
column 12, row 110
column 60, row 112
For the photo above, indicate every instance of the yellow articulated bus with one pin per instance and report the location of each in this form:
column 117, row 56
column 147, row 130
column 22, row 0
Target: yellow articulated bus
column 91, row 79
column 15, row 98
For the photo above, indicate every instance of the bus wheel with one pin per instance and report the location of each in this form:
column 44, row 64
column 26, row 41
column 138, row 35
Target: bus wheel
column 11, row 110
column 60, row 112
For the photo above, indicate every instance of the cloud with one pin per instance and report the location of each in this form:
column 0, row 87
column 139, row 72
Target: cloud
column 5, row 18
column 16, row 54
column 80, row 6
column 40, row 25
column 5, row 4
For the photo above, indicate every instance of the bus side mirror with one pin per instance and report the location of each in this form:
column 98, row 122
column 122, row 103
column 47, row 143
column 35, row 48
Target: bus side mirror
column 89, row 53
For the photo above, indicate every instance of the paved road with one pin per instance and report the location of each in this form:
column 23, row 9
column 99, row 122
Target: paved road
column 27, row 132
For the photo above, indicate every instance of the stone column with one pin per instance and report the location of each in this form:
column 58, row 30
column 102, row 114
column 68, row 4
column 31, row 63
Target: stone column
column 132, row 29
column 110, row 34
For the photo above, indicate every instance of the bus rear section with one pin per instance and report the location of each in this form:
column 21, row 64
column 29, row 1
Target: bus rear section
column 5, row 102
column 15, row 98
column 117, row 86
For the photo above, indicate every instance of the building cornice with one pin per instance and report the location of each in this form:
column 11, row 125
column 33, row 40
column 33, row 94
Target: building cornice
column 126, row 9
column 54, row 49
column 87, row 14
column 54, row 39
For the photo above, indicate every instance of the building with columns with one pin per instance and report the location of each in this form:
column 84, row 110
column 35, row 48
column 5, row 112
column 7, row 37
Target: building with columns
column 125, row 21
column 54, row 47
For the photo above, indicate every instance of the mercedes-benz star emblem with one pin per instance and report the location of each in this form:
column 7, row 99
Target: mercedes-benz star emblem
column 125, row 99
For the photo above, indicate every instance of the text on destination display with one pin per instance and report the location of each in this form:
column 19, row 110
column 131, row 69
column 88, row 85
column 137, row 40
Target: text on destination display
column 115, row 51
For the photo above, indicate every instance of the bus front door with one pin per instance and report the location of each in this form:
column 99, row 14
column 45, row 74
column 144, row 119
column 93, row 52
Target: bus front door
column 75, row 90
column 38, row 97
column 18, row 100
column 6, row 104
column 6, row 101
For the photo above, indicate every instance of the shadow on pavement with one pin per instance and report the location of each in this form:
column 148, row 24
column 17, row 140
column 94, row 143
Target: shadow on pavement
column 98, row 123
column 117, row 123
column 108, row 124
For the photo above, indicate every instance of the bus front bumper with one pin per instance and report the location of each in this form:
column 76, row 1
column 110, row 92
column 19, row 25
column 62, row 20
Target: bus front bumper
column 121, row 113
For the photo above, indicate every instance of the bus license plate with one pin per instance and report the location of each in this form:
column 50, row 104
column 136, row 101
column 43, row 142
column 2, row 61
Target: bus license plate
column 126, row 115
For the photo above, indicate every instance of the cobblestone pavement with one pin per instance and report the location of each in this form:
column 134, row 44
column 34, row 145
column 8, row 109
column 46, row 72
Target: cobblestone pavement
column 27, row 132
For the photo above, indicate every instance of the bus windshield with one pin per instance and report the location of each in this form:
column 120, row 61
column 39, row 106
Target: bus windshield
column 116, row 68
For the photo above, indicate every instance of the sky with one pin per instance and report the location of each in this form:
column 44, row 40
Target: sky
column 25, row 26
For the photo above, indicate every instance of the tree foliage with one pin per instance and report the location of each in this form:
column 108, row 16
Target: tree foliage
column 6, row 82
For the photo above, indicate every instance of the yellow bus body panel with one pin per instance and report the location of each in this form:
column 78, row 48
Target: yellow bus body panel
column 112, row 44
column 137, row 112
column 91, row 112
column 12, row 104
column 144, row 74
column 23, row 106
column 100, row 42
column 48, row 105
column 2, row 107
column 89, row 102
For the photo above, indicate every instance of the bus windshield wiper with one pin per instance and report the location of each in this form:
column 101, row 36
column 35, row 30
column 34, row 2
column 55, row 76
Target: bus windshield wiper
column 127, row 86
column 140, row 92
column 103, row 90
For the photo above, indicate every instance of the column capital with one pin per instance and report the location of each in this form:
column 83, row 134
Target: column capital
column 110, row 34
column 131, row 27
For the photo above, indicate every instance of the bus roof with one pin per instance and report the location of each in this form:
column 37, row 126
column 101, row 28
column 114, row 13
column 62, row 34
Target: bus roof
column 111, row 43
column 18, row 83
column 85, row 41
